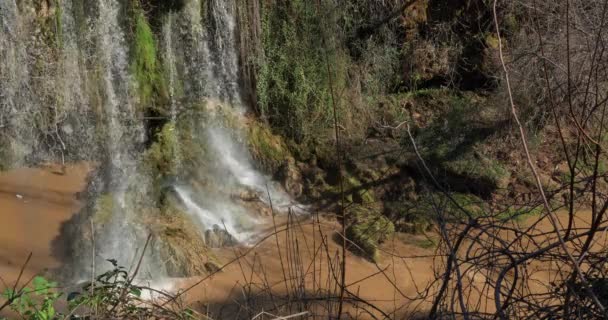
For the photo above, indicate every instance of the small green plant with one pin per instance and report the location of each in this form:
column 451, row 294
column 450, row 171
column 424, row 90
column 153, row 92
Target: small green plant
column 35, row 302
column 113, row 295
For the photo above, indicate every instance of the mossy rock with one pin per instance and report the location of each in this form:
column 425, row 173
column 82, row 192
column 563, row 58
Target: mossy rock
column 179, row 242
column 161, row 155
column 410, row 218
column 5, row 156
column 356, row 192
column 268, row 149
column 367, row 228
column 477, row 174
column 175, row 153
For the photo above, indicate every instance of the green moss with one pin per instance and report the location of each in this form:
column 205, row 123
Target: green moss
column 162, row 154
column 368, row 229
column 478, row 167
column 354, row 188
column 426, row 243
column 268, row 149
column 145, row 67
column 58, row 24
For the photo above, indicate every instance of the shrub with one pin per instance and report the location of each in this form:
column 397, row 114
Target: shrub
column 294, row 79
column 35, row 302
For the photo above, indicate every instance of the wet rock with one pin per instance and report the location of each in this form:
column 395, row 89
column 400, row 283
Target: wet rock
column 291, row 177
column 368, row 228
column 217, row 238
column 248, row 196
column 212, row 267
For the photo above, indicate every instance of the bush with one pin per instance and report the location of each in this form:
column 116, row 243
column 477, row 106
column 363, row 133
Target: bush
column 34, row 302
column 293, row 80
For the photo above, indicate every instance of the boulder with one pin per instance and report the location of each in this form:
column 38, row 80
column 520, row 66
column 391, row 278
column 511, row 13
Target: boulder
column 368, row 228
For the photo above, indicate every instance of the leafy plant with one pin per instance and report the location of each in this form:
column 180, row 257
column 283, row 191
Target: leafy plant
column 294, row 78
column 112, row 295
column 35, row 302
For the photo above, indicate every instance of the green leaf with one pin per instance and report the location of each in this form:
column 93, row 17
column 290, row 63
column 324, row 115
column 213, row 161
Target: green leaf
column 136, row 292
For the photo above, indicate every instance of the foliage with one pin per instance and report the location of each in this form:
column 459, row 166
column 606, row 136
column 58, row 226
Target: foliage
column 294, row 86
column 112, row 295
column 453, row 143
column 268, row 149
column 35, row 302
column 144, row 66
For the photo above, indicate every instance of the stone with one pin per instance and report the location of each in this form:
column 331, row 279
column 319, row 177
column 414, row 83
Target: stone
column 212, row 267
column 248, row 196
column 217, row 238
column 291, row 177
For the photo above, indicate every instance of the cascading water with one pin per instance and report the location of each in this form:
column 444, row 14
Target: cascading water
column 71, row 64
column 124, row 130
column 15, row 87
column 221, row 87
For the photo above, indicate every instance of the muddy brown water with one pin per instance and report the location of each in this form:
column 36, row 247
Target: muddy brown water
column 34, row 202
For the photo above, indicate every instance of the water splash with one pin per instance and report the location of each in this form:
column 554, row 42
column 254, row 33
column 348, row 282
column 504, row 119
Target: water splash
column 221, row 214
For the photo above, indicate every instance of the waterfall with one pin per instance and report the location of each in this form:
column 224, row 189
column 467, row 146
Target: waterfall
column 123, row 127
column 216, row 46
column 222, row 39
column 15, row 88
column 68, row 92
column 170, row 70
